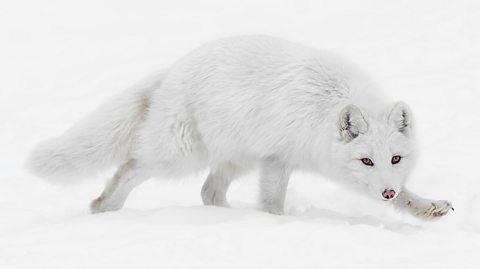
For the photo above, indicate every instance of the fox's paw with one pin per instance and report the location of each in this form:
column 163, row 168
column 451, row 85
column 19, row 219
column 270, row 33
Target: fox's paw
column 434, row 209
column 101, row 205
column 275, row 210
column 96, row 206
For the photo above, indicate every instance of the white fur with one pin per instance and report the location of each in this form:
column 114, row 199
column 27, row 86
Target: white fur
column 235, row 104
column 103, row 139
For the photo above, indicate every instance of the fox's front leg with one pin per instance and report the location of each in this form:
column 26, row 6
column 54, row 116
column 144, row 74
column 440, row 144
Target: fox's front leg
column 420, row 207
column 273, row 185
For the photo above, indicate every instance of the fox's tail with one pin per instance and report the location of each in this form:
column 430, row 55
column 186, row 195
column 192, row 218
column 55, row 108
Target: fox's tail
column 101, row 140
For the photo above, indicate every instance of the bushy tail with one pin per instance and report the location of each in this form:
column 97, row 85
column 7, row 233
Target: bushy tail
column 99, row 141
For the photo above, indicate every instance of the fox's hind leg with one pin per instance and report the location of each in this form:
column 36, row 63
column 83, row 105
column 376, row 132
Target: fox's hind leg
column 214, row 190
column 117, row 190
column 421, row 207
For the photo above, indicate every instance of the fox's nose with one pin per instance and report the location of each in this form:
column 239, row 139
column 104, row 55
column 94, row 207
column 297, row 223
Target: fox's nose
column 388, row 194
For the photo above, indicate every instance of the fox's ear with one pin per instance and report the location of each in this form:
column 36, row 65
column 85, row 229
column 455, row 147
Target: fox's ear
column 351, row 123
column 400, row 117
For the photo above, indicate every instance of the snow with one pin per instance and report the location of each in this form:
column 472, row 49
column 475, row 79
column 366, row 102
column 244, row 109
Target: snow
column 61, row 59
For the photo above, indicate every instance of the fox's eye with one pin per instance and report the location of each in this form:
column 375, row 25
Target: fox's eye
column 396, row 159
column 367, row 161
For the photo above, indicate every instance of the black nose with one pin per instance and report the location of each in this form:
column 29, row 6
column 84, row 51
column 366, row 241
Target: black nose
column 388, row 194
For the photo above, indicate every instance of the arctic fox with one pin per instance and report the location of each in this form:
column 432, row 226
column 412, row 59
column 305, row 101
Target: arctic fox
column 239, row 103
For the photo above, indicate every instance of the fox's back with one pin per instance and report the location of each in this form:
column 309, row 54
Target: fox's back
column 256, row 94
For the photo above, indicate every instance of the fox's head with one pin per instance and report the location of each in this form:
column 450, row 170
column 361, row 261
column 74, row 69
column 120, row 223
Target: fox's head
column 376, row 151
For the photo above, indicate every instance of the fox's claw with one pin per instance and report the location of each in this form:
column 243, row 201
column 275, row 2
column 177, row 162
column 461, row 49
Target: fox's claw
column 435, row 209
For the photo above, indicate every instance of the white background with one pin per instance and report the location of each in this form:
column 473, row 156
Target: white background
column 61, row 59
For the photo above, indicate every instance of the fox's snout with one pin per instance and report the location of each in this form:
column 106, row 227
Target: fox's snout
column 388, row 194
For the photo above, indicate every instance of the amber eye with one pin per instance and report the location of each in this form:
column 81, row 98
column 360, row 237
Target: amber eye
column 396, row 159
column 367, row 161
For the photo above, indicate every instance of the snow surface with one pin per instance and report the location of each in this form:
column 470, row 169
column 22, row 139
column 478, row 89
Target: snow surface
column 60, row 59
